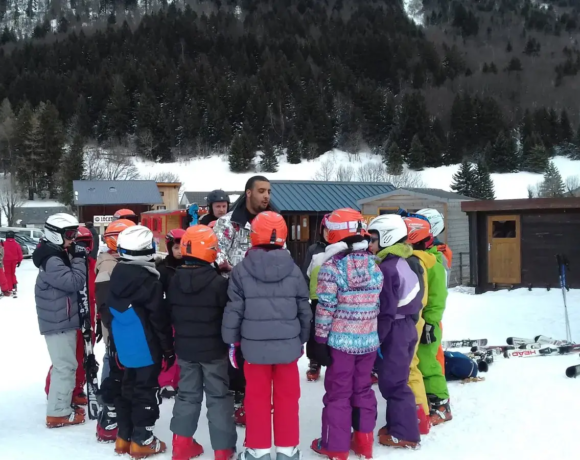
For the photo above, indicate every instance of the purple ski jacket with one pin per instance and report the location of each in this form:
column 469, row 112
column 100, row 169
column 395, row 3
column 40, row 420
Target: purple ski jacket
column 401, row 294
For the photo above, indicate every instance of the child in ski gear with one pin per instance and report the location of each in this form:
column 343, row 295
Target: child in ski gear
column 420, row 261
column 400, row 305
column 141, row 336
column 349, row 285
column 126, row 214
column 268, row 301
column 4, row 287
column 197, row 297
column 459, row 366
column 314, row 260
column 169, row 380
column 112, row 373
column 430, row 339
column 56, row 295
column 233, row 232
column 12, row 259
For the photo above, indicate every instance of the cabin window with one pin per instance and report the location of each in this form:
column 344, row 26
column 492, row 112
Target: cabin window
column 162, row 193
column 504, row 229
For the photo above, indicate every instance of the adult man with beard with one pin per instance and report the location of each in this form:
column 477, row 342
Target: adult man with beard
column 233, row 231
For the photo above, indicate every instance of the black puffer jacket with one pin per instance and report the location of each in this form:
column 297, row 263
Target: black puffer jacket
column 166, row 268
column 197, row 296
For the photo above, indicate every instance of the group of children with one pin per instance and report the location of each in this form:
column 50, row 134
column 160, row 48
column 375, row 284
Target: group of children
column 377, row 296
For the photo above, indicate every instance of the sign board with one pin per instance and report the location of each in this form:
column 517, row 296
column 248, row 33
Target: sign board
column 100, row 220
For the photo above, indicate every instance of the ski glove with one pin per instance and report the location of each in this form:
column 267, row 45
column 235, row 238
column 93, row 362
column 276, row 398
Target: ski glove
column 78, row 249
column 428, row 335
column 18, row 264
column 233, row 354
column 322, row 354
column 99, row 333
column 168, row 360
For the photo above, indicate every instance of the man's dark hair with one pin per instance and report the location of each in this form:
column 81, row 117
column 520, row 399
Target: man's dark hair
column 252, row 180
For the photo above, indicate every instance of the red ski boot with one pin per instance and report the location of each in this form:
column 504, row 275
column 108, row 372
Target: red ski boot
column 240, row 416
column 313, row 373
column 362, row 444
column 424, row 421
column 185, row 448
column 107, row 425
column 316, row 446
column 225, row 454
column 440, row 410
column 374, row 378
column 80, row 399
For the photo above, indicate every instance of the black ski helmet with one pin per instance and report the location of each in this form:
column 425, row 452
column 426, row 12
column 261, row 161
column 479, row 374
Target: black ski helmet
column 217, row 196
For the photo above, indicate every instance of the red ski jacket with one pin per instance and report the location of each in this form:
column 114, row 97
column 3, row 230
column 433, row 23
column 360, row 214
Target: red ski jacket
column 12, row 251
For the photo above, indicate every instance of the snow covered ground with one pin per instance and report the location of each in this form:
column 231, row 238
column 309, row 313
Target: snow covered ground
column 205, row 174
column 525, row 409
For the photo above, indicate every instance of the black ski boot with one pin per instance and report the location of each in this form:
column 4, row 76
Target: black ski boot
column 107, row 424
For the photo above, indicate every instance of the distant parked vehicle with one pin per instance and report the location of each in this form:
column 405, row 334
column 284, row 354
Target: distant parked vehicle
column 32, row 233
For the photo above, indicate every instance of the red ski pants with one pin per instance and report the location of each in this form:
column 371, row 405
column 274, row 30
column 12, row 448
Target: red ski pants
column 10, row 272
column 266, row 384
column 80, row 376
column 3, row 282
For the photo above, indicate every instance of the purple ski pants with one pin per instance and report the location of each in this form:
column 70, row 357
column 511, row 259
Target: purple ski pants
column 349, row 401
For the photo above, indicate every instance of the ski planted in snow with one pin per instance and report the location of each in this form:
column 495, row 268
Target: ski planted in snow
column 464, row 343
column 573, row 371
column 89, row 362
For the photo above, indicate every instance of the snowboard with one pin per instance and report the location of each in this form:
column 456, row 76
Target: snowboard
column 573, row 371
column 463, row 343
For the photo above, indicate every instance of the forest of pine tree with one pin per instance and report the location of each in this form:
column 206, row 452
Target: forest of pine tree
column 294, row 76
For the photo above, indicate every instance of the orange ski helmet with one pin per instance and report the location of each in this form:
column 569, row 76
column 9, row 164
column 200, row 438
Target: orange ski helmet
column 268, row 227
column 344, row 223
column 200, row 242
column 113, row 230
column 418, row 230
column 85, row 235
column 125, row 214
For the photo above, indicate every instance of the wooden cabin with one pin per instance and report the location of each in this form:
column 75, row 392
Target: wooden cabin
column 162, row 221
column 514, row 243
column 456, row 233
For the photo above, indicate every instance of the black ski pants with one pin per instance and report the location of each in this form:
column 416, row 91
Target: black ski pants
column 111, row 385
column 138, row 404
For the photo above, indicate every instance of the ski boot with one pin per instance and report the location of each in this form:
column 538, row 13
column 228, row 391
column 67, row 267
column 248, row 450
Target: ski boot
column 14, row 293
column 424, row 421
column 168, row 392
column 255, row 454
column 386, row 439
column 145, row 444
column 440, row 410
column 75, row 418
column 240, row 416
column 287, row 453
column 80, row 399
column 362, row 444
column 313, row 372
column 374, row 378
column 185, row 448
column 107, row 424
column 6, row 293
column 224, row 454
column 316, row 446
column 122, row 446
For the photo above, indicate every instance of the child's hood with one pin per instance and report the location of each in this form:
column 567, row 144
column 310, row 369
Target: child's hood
column 194, row 280
column 429, row 260
column 402, row 250
column 359, row 268
column 329, row 251
column 133, row 280
column 268, row 266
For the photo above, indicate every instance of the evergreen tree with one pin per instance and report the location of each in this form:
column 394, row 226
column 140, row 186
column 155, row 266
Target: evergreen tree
column 394, row 160
column 118, row 112
column 458, row 133
column 7, row 126
column 504, row 155
column 483, row 184
column 72, row 169
column 537, row 160
column 464, row 180
column 293, row 151
column 27, row 149
column 416, row 154
column 52, row 139
column 83, row 124
column 241, row 154
column 552, row 185
column 566, row 133
column 269, row 160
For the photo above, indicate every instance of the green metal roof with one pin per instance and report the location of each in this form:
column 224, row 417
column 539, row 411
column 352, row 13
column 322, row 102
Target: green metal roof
column 318, row 196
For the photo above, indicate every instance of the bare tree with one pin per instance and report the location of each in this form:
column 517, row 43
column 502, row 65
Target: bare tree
column 344, row 173
column 10, row 199
column 110, row 164
column 326, row 172
column 371, row 172
column 408, row 179
column 377, row 172
column 165, row 176
column 572, row 184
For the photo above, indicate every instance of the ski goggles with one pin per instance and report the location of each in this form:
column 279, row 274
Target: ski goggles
column 70, row 234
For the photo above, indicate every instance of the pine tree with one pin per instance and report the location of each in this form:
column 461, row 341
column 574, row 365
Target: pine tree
column 483, row 184
column 7, row 126
column 566, row 133
column 293, row 151
column 416, row 154
column 464, row 179
column 552, row 185
column 240, row 156
column 72, row 169
column 394, row 160
column 457, row 135
column 537, row 160
column 27, row 149
column 118, row 111
column 269, row 160
column 504, row 155
column 52, row 139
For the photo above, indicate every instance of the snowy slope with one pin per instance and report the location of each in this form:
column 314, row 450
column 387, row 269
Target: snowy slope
column 526, row 406
column 210, row 173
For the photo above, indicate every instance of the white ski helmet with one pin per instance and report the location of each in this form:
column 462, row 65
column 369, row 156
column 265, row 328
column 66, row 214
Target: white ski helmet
column 390, row 227
column 136, row 243
column 435, row 220
column 60, row 226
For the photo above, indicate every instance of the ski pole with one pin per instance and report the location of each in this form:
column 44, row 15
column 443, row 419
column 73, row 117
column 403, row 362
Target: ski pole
column 562, row 264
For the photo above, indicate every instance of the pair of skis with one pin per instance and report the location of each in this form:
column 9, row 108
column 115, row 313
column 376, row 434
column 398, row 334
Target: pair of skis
column 89, row 362
column 540, row 346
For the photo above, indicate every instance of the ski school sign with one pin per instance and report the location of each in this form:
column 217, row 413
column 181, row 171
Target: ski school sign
column 101, row 220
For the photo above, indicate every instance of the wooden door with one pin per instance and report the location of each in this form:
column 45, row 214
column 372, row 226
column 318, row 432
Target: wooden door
column 504, row 249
